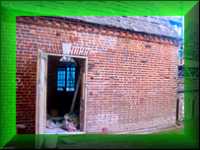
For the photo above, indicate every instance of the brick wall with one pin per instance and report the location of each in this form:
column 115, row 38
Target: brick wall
column 131, row 76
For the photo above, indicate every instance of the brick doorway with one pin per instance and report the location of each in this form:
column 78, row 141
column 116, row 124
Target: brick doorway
column 52, row 97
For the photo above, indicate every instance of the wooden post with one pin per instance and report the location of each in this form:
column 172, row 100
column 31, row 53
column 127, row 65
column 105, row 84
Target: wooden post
column 41, row 92
column 75, row 94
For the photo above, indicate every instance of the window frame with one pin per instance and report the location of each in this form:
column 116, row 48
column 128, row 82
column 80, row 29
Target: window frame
column 65, row 66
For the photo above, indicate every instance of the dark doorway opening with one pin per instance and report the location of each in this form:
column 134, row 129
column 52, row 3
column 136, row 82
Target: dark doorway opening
column 65, row 95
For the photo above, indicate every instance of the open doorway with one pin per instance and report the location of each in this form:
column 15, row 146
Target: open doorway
column 61, row 95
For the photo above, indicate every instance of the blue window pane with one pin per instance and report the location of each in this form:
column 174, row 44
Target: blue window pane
column 70, row 86
column 66, row 78
column 60, row 79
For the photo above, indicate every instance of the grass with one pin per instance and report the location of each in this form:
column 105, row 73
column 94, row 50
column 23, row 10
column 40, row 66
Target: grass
column 99, row 141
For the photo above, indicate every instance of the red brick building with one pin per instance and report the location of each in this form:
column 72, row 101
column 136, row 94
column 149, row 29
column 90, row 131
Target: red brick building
column 127, row 68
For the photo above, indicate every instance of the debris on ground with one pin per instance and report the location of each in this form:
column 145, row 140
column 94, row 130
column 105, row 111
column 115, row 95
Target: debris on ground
column 70, row 127
column 55, row 122
column 70, row 122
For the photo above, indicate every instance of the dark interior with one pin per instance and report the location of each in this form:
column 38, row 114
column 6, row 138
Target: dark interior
column 61, row 100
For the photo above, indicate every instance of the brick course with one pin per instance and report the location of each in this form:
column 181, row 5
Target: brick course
column 132, row 77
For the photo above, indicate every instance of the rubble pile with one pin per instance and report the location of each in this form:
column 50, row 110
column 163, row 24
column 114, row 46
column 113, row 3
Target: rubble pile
column 69, row 122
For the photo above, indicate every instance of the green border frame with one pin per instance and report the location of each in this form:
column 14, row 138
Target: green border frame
column 190, row 9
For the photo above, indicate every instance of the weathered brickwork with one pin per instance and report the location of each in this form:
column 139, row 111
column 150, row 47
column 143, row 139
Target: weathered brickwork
column 131, row 80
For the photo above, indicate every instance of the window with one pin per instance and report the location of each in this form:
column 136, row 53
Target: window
column 70, row 78
column 66, row 78
column 61, row 79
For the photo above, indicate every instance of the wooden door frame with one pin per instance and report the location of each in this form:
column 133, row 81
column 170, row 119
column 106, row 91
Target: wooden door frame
column 41, row 104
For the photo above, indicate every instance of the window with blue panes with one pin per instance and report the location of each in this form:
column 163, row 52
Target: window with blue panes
column 66, row 77
column 61, row 74
column 70, row 85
